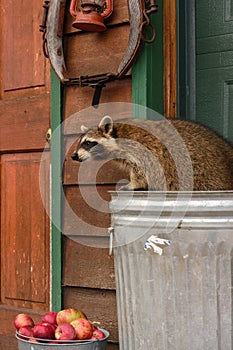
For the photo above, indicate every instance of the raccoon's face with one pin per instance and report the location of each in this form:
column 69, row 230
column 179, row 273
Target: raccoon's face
column 95, row 144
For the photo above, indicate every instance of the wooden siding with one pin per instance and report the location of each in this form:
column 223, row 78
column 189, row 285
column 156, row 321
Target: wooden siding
column 88, row 272
column 78, row 98
column 26, row 68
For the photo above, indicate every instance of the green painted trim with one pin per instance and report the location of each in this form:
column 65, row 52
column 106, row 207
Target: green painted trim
column 56, row 183
column 186, row 61
column 147, row 72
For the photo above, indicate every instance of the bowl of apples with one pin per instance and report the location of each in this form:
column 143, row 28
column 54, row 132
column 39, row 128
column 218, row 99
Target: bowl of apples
column 68, row 329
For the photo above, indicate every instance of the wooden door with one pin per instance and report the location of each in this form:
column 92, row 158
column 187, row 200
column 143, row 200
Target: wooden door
column 24, row 120
column 214, row 65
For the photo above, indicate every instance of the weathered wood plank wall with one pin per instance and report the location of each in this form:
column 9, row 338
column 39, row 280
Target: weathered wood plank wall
column 88, row 272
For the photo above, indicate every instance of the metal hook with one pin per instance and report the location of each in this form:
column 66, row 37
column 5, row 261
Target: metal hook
column 147, row 23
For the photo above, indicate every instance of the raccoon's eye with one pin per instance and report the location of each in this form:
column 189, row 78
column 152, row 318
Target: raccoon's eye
column 89, row 144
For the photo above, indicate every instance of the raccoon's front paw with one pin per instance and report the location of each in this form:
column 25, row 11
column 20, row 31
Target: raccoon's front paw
column 129, row 187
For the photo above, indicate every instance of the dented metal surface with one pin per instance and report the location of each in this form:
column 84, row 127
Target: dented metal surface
column 181, row 298
column 168, row 211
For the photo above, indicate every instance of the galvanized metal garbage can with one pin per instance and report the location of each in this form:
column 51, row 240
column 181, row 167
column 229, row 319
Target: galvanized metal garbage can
column 183, row 298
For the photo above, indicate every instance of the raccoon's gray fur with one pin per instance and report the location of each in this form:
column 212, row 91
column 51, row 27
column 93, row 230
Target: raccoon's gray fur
column 161, row 155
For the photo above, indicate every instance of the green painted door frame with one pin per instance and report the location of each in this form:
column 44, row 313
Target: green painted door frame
column 205, row 65
column 186, row 59
column 56, row 188
column 147, row 73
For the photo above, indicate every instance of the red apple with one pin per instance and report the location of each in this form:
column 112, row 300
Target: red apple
column 65, row 332
column 68, row 315
column 49, row 317
column 83, row 328
column 25, row 332
column 22, row 320
column 97, row 333
column 48, row 324
column 44, row 331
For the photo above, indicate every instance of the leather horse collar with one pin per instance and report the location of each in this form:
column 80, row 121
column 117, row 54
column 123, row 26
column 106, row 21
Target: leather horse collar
column 52, row 28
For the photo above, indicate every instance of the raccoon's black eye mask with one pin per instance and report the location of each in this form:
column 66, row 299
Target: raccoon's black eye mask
column 87, row 145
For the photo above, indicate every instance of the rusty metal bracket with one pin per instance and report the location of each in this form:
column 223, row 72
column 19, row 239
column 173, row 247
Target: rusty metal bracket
column 150, row 7
column 98, row 82
column 92, row 80
column 43, row 27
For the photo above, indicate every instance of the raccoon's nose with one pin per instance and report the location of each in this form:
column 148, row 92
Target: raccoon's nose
column 74, row 156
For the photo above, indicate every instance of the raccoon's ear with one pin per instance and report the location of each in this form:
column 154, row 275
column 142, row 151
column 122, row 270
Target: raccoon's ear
column 83, row 128
column 106, row 125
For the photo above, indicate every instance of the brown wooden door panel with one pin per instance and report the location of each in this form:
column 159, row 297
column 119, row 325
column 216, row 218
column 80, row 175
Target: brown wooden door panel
column 25, row 236
column 25, row 119
column 24, row 123
column 23, row 61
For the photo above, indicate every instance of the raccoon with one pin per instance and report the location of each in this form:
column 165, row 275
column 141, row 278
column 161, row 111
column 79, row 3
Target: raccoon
column 171, row 155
